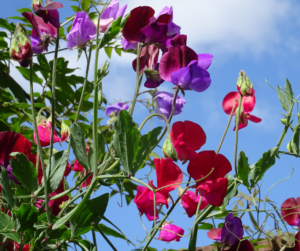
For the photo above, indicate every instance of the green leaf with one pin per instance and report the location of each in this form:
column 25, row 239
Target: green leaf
column 282, row 99
column 230, row 193
column 84, row 5
column 108, row 51
column 118, row 51
column 26, row 74
column 77, row 142
column 6, row 189
column 75, row 8
column 243, row 168
column 24, row 10
column 289, row 93
column 124, row 20
column 26, row 216
column 108, row 231
column 4, row 24
column 90, row 213
column 111, row 32
column 126, row 141
column 6, row 223
column 296, row 137
column 24, row 171
column 3, row 44
column 205, row 226
column 147, row 143
column 45, row 65
column 259, row 168
column 57, row 169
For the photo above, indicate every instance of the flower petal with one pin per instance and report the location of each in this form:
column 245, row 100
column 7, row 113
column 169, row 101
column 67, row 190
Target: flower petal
column 174, row 233
column 200, row 79
column 204, row 60
column 292, row 215
column 189, row 202
column 232, row 230
column 248, row 103
column 227, row 103
column 214, row 234
column 253, row 118
column 244, row 245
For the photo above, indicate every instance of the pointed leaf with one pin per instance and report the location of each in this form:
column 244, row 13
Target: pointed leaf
column 243, row 168
column 282, row 100
column 26, row 216
column 296, row 137
column 6, row 189
column 289, row 93
column 111, row 32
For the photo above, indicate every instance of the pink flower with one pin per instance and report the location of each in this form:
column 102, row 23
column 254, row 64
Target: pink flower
column 248, row 104
column 170, row 232
column 290, row 211
column 44, row 131
column 189, row 201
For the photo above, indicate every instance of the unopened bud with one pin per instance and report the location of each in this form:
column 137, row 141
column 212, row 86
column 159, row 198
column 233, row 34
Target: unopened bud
column 290, row 147
column 168, row 149
column 65, row 132
column 21, row 49
column 244, row 85
column 284, row 121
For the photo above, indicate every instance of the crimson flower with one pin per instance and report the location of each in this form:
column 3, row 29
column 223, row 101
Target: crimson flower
column 44, row 131
column 214, row 187
column 244, row 245
column 170, row 232
column 167, row 174
column 187, row 137
column 248, row 104
column 189, row 201
column 55, row 204
column 290, row 211
column 41, row 33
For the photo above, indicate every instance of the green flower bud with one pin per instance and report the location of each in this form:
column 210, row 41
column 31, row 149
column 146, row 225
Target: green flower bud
column 169, row 150
column 244, row 85
column 65, row 132
column 284, row 121
column 290, row 147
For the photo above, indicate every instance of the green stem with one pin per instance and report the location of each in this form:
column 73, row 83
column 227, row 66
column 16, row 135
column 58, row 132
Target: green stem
column 105, row 238
column 37, row 164
column 194, row 231
column 226, row 129
column 138, row 80
column 288, row 153
column 94, row 239
column 158, row 115
column 237, row 134
column 286, row 127
column 39, row 144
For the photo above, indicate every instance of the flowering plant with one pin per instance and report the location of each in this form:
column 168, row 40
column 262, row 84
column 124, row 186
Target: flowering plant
column 43, row 208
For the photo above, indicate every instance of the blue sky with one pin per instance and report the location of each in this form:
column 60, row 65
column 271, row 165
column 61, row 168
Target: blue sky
column 260, row 37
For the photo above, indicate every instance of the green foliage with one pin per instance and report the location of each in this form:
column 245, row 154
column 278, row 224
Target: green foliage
column 110, row 33
column 243, row 168
column 26, row 217
column 7, row 193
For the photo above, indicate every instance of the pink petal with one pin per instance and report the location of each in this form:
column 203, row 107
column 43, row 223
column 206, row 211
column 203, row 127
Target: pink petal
column 175, row 233
column 253, row 118
column 248, row 103
column 214, row 234
column 228, row 102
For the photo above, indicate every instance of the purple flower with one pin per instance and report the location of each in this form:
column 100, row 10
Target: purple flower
column 172, row 28
column 164, row 101
column 11, row 176
column 111, row 13
column 49, row 13
column 128, row 46
column 115, row 108
column 183, row 67
column 41, row 34
column 232, row 229
column 82, row 31
column 170, row 232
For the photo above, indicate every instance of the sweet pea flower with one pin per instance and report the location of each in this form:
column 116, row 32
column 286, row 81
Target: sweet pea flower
column 187, row 137
column 248, row 104
column 214, row 187
column 172, row 28
column 41, row 33
column 82, row 31
column 189, row 201
column 164, row 103
column 167, row 173
column 111, row 13
column 115, row 109
column 13, row 142
column 184, row 67
column 170, row 232
column 290, row 211
column 244, row 245
column 55, row 204
column 49, row 13
column 44, row 131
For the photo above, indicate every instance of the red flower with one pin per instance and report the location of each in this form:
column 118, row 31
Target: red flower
column 297, row 242
column 189, row 202
column 167, row 173
column 148, row 58
column 214, row 187
column 187, row 137
column 68, row 169
column 248, row 104
column 290, row 211
column 245, row 245
column 44, row 131
column 54, row 204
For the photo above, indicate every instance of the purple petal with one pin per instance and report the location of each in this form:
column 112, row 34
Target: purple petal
column 34, row 42
column 111, row 10
column 53, row 18
column 127, row 46
column 156, row 32
column 204, row 60
column 115, row 108
column 232, row 228
column 183, row 77
column 200, row 79
column 52, row 6
column 11, row 176
column 121, row 11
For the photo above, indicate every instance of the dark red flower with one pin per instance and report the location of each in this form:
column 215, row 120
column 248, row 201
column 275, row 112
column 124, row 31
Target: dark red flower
column 148, row 58
column 297, row 242
column 187, row 137
column 244, row 245
column 248, row 104
column 290, row 211
column 68, row 169
column 213, row 187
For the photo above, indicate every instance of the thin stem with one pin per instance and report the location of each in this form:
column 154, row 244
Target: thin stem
column 226, row 129
column 105, row 238
column 37, row 164
column 138, row 80
column 288, row 153
column 194, row 230
column 50, row 52
column 286, row 127
column 39, row 144
column 237, row 134
column 94, row 239
column 158, row 115
column 53, row 98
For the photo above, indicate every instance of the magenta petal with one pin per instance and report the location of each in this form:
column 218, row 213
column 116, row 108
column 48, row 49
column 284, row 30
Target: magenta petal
column 53, row 18
column 170, row 232
column 253, row 118
column 204, row 60
column 52, row 6
column 189, row 202
column 248, row 103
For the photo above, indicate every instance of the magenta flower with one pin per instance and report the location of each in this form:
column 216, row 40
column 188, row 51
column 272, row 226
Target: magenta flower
column 170, row 232
column 49, row 13
column 44, row 131
column 164, row 102
column 41, row 33
column 82, row 31
column 168, row 174
column 290, row 211
column 189, row 201
column 184, row 68
column 115, row 108
column 111, row 13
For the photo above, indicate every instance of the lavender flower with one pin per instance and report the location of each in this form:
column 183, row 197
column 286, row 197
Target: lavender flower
column 232, row 229
column 83, row 30
column 164, row 101
column 115, row 109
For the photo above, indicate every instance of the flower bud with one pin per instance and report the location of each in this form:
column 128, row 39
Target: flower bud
column 65, row 132
column 284, row 121
column 21, row 49
column 168, row 149
column 290, row 147
column 244, row 85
